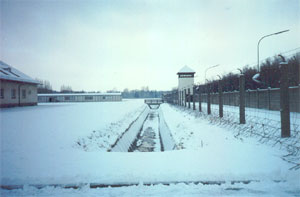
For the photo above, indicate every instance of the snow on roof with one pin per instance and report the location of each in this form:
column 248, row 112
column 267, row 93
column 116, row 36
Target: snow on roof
column 8, row 72
column 81, row 94
column 186, row 69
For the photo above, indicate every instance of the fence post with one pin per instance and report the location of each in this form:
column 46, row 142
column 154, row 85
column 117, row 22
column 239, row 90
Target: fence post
column 189, row 98
column 200, row 108
column 179, row 94
column 208, row 99
column 184, row 97
column 242, row 99
column 180, row 97
column 257, row 98
column 284, row 101
column 194, row 97
column 269, row 98
column 182, row 92
column 220, row 99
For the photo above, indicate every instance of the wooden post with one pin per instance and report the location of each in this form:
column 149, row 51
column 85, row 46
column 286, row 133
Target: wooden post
column 220, row 99
column 284, row 101
column 208, row 99
column 189, row 98
column 194, row 97
column 242, row 99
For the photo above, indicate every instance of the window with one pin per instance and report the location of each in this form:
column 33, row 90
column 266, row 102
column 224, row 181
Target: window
column 2, row 93
column 23, row 94
column 103, row 97
column 186, row 75
column 67, row 98
column 88, row 98
column 29, row 92
column 13, row 93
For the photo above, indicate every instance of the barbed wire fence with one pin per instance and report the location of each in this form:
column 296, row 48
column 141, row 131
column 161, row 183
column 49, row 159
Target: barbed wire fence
column 263, row 114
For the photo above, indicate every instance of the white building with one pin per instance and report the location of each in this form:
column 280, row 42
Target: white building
column 16, row 88
column 79, row 97
column 185, row 83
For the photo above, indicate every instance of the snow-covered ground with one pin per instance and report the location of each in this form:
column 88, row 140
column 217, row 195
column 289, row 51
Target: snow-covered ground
column 39, row 145
column 268, row 189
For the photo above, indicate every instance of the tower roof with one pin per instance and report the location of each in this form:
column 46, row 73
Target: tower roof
column 185, row 69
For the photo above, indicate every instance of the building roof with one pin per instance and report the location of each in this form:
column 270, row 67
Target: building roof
column 186, row 69
column 8, row 72
column 81, row 94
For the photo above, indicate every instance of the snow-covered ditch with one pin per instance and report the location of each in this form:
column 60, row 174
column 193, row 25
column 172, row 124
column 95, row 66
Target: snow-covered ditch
column 166, row 137
column 125, row 141
column 117, row 136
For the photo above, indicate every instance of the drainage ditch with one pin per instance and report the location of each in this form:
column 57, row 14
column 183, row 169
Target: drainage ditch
column 148, row 139
column 148, row 133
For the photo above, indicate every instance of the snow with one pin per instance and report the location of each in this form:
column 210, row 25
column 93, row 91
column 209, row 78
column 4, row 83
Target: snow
column 39, row 145
column 166, row 135
column 185, row 190
column 126, row 140
column 218, row 145
column 186, row 69
column 10, row 73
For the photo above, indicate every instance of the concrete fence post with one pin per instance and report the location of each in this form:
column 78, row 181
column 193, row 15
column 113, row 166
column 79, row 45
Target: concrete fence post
column 185, row 98
column 189, row 98
column 208, row 99
column 180, row 95
column 269, row 98
column 257, row 98
column 181, row 98
column 199, row 91
column 242, row 99
column 284, row 101
column 220, row 98
column 194, row 97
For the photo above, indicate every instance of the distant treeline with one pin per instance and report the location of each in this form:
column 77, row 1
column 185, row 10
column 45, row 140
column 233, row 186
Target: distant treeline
column 45, row 87
column 142, row 93
column 269, row 75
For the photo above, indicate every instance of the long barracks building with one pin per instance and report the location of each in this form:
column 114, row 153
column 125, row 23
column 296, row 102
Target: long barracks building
column 79, row 97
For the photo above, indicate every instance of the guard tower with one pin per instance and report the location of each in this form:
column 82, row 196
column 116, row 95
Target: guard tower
column 185, row 84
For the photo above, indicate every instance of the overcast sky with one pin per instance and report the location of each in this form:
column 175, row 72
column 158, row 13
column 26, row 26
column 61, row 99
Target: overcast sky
column 101, row 45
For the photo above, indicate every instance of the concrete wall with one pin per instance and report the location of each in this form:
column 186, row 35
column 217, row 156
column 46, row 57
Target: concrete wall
column 262, row 99
column 30, row 94
column 78, row 98
column 185, row 83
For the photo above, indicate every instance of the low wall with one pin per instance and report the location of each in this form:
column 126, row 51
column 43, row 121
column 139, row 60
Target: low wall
column 260, row 98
